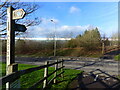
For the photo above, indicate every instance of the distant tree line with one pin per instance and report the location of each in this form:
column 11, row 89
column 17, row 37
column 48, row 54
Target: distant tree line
column 90, row 40
column 34, row 46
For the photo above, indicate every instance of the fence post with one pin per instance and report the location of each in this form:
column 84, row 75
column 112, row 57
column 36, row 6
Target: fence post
column 62, row 68
column 12, row 68
column 56, row 66
column 45, row 74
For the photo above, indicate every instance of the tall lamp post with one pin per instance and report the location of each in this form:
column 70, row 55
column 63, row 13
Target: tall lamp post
column 54, row 37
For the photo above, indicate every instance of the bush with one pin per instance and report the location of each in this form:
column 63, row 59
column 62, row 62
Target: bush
column 117, row 57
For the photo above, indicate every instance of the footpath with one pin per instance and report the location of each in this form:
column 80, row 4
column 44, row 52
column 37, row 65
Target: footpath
column 95, row 80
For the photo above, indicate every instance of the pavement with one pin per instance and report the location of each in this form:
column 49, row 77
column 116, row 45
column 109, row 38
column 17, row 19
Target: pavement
column 93, row 80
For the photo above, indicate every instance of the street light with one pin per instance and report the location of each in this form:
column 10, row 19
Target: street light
column 54, row 37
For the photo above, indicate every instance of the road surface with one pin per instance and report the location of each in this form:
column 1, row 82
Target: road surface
column 79, row 63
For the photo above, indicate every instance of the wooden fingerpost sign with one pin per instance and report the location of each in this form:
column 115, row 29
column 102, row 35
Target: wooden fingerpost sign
column 11, row 66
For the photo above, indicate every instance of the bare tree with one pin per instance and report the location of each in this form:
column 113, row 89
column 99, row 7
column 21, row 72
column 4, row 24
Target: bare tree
column 27, row 21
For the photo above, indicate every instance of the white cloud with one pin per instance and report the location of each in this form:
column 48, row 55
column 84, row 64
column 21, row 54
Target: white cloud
column 74, row 9
column 76, row 28
column 46, row 29
column 41, row 31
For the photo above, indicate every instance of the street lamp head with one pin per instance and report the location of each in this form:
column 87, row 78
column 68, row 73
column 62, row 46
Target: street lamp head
column 51, row 20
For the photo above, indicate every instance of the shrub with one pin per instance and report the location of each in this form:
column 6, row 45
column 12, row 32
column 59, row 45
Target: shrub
column 117, row 57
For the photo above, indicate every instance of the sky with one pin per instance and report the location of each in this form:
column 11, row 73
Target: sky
column 66, row 0
column 73, row 18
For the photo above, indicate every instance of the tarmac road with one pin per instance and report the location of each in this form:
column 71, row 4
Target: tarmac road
column 80, row 63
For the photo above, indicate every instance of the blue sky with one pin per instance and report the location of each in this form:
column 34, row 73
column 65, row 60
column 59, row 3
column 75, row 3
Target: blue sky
column 73, row 18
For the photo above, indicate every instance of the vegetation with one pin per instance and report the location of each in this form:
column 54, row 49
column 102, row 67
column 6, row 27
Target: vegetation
column 90, row 40
column 76, row 52
column 29, row 79
column 115, row 36
column 119, row 76
column 117, row 57
column 88, row 44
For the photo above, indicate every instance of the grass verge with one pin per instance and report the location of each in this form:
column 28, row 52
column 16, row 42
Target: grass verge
column 117, row 57
column 28, row 80
column 72, row 52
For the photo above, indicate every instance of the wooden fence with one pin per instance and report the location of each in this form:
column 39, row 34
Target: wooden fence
column 44, row 80
column 112, row 49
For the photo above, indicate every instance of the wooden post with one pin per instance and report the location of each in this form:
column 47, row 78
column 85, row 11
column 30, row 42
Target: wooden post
column 56, row 66
column 12, row 15
column 10, row 43
column 16, row 82
column 45, row 74
column 103, row 48
column 62, row 69
column 12, row 67
column 10, row 38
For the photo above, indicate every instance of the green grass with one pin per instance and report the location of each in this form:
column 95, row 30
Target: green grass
column 118, row 76
column 2, row 69
column 117, row 57
column 28, row 80
column 69, row 75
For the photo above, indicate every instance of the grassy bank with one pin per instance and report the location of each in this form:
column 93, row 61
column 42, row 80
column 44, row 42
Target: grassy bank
column 29, row 79
column 72, row 52
column 77, row 52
